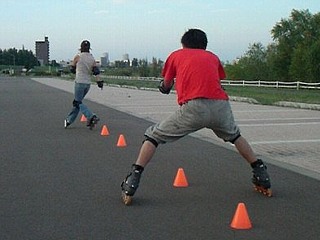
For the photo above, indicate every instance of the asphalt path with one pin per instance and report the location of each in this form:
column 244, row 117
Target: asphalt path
column 289, row 137
column 61, row 183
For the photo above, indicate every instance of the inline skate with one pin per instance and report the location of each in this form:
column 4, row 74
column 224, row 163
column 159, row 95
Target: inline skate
column 131, row 183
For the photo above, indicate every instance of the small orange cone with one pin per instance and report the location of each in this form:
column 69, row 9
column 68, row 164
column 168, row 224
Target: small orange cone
column 104, row 131
column 180, row 179
column 241, row 218
column 121, row 141
column 83, row 118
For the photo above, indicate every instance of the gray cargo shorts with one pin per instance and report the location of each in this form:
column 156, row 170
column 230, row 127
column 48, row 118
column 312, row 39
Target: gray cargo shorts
column 195, row 115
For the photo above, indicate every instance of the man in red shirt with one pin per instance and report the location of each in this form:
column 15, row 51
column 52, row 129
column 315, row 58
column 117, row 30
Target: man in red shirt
column 196, row 74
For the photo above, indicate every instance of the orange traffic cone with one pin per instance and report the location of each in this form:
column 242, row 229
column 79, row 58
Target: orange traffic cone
column 241, row 218
column 104, row 131
column 121, row 141
column 180, row 179
column 83, row 118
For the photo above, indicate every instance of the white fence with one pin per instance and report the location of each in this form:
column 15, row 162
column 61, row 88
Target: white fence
column 244, row 83
column 271, row 84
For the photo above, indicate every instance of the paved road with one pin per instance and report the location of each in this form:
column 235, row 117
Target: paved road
column 285, row 136
column 61, row 183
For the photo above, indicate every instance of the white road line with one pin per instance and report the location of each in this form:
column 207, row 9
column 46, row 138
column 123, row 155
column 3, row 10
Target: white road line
column 285, row 141
column 277, row 124
column 266, row 111
column 277, row 119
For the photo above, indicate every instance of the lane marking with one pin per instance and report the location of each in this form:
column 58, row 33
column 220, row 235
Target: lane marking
column 268, row 110
column 286, row 141
column 278, row 119
column 277, row 124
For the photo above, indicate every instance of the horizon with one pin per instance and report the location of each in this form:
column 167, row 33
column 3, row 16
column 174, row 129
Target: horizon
column 143, row 29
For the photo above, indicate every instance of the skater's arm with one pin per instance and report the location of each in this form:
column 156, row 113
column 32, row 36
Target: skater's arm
column 96, row 73
column 165, row 86
column 75, row 60
column 73, row 65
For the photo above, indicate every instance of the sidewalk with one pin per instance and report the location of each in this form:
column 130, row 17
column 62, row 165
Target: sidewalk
column 288, row 137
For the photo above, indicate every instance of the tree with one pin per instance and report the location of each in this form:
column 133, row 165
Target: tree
column 252, row 66
column 134, row 62
column 156, row 67
column 143, row 68
column 294, row 54
column 14, row 57
column 294, row 37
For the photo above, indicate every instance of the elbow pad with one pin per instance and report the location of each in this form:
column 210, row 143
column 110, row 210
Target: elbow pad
column 95, row 71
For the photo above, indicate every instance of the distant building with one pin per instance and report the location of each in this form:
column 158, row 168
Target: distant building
column 42, row 51
column 125, row 57
column 126, row 60
column 105, row 60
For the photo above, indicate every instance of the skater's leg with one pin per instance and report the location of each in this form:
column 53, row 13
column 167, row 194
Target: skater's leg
column 131, row 182
column 260, row 177
column 245, row 150
column 81, row 92
column 86, row 111
column 146, row 153
column 171, row 129
column 74, row 113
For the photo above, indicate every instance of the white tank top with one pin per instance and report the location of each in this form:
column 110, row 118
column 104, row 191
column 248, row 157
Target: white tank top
column 84, row 68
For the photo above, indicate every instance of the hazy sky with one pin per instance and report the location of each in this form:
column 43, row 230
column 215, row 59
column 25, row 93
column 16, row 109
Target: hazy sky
column 142, row 28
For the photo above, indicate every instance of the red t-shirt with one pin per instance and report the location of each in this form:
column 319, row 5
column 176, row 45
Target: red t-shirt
column 197, row 72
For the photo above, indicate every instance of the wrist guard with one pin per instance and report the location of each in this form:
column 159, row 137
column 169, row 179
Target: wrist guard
column 163, row 89
column 95, row 71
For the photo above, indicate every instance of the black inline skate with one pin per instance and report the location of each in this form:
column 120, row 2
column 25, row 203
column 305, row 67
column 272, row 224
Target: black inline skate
column 131, row 183
column 261, row 179
column 92, row 122
column 66, row 123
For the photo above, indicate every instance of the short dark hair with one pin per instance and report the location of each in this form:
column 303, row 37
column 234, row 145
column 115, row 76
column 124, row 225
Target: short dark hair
column 194, row 38
column 85, row 46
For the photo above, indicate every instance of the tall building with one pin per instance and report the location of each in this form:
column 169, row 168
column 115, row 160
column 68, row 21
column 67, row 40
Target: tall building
column 42, row 51
column 126, row 60
column 105, row 60
column 125, row 57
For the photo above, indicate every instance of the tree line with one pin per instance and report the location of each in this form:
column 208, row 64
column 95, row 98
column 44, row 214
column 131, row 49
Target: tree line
column 14, row 57
column 136, row 68
column 294, row 54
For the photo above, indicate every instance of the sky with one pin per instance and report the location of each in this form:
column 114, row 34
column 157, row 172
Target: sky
column 142, row 28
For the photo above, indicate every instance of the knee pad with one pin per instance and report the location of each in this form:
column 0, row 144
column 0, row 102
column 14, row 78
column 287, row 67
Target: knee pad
column 76, row 103
column 154, row 142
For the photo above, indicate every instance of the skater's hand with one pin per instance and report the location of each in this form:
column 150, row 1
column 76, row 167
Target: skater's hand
column 73, row 69
column 100, row 84
column 163, row 89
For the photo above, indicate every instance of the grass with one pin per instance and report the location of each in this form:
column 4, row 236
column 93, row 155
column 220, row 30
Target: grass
column 270, row 96
column 263, row 95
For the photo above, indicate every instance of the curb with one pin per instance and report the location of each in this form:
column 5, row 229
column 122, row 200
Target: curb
column 298, row 105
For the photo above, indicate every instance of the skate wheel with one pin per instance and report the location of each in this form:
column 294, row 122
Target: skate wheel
column 264, row 191
column 127, row 200
column 268, row 192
